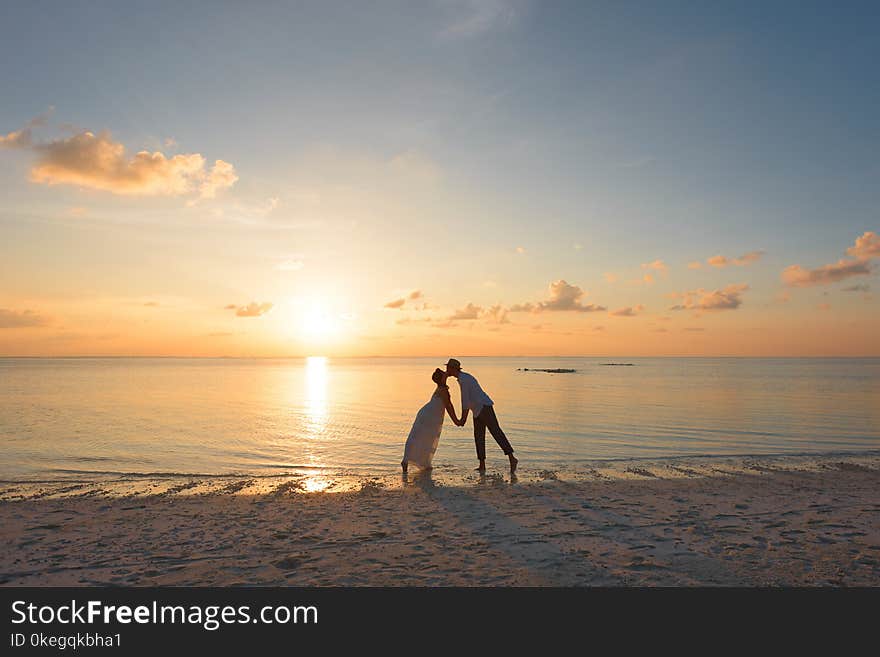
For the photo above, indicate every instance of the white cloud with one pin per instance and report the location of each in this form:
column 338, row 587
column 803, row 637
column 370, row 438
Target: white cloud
column 473, row 18
column 290, row 264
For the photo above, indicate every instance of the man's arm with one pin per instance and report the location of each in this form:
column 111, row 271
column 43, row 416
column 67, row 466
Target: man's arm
column 464, row 414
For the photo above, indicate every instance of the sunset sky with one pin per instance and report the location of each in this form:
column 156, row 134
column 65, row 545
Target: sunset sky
column 439, row 178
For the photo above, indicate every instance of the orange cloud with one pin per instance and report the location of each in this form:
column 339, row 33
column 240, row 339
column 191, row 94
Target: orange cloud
column 497, row 315
column 743, row 261
column 403, row 321
column 16, row 139
column 23, row 138
column 696, row 264
column 797, row 276
column 659, row 265
column 397, row 304
column 567, row 297
column 470, row 311
column 866, row 246
column 628, row 311
column 96, row 161
column 730, row 298
column 21, row 319
column 221, row 176
column 656, row 266
column 563, row 297
column 253, row 309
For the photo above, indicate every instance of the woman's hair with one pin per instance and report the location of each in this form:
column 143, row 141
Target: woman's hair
column 437, row 376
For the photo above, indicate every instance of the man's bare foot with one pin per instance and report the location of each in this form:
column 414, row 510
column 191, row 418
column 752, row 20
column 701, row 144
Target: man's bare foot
column 481, row 467
column 513, row 462
column 404, row 464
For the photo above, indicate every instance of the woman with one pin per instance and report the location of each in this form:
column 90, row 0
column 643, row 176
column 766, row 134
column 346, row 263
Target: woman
column 425, row 433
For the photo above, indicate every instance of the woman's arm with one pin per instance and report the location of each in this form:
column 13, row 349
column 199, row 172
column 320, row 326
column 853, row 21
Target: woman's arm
column 447, row 401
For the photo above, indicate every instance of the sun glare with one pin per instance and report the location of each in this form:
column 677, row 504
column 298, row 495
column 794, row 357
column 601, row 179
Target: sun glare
column 312, row 321
column 317, row 323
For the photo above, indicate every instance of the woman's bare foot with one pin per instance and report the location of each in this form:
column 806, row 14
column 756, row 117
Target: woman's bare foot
column 481, row 467
column 513, row 462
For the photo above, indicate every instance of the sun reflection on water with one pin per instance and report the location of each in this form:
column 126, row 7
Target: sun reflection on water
column 316, row 419
column 316, row 484
column 316, row 395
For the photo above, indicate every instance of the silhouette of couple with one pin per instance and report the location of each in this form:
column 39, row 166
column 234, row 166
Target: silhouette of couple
column 425, row 433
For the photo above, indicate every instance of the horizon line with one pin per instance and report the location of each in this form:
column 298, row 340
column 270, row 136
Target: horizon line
column 301, row 357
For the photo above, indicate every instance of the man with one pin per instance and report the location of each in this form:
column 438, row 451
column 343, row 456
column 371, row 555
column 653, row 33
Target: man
column 473, row 398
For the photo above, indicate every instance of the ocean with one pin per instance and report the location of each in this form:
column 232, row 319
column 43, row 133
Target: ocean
column 91, row 417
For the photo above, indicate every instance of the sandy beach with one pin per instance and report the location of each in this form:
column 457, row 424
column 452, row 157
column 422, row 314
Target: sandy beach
column 812, row 521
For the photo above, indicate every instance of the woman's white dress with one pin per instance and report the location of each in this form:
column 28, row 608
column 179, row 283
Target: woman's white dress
column 425, row 433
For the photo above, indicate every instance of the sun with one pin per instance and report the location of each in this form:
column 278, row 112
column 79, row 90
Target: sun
column 318, row 323
column 313, row 321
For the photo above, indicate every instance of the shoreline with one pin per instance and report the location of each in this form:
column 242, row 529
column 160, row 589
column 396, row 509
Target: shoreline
column 310, row 480
column 753, row 522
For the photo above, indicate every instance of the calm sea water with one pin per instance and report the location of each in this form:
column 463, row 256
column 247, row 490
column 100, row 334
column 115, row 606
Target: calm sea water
column 66, row 418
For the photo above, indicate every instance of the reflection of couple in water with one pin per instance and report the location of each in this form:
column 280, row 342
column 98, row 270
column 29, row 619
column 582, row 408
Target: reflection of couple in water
column 425, row 433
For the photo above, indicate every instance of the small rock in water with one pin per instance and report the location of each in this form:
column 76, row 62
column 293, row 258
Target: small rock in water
column 553, row 371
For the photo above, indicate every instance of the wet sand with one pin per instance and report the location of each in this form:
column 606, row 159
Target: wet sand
column 811, row 521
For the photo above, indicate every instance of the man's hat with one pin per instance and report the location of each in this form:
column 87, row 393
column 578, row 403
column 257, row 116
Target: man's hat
column 454, row 362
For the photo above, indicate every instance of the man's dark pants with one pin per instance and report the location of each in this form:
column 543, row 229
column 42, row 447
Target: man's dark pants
column 486, row 419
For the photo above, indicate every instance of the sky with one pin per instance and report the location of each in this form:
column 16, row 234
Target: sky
column 449, row 177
